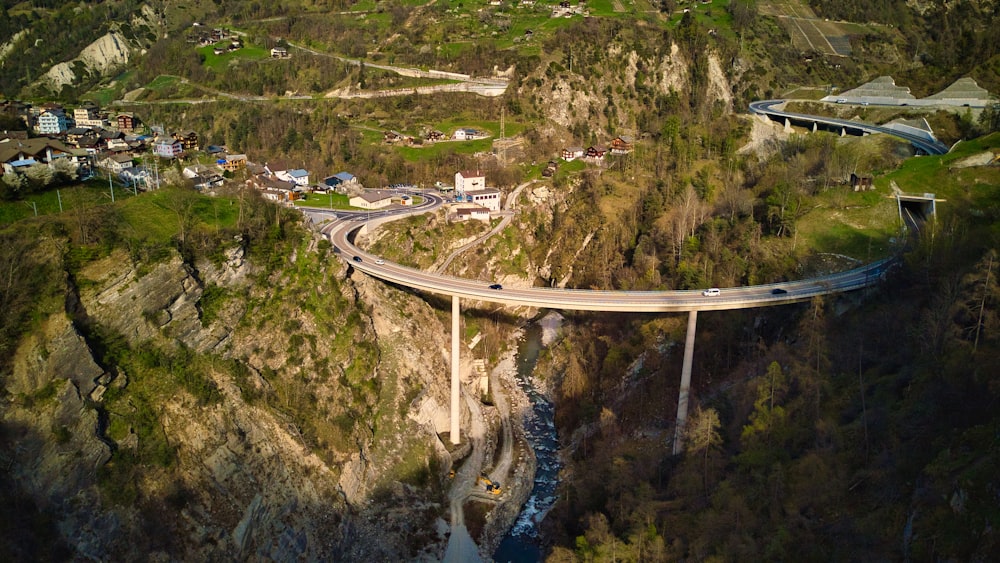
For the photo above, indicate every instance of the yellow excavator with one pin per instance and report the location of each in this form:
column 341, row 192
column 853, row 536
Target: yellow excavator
column 491, row 487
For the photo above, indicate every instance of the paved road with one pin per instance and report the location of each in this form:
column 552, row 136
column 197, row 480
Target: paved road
column 341, row 230
column 767, row 107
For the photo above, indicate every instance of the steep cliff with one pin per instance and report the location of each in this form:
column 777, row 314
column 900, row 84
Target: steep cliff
column 238, row 406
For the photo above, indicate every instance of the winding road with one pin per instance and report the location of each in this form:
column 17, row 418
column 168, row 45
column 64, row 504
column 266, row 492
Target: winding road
column 342, row 229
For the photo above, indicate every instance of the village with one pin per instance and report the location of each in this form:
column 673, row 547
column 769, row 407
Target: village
column 86, row 142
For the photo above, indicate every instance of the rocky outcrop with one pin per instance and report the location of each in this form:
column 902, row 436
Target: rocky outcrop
column 110, row 52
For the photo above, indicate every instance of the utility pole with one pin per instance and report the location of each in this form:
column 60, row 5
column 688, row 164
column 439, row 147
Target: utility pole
column 33, row 206
column 59, row 197
column 111, row 186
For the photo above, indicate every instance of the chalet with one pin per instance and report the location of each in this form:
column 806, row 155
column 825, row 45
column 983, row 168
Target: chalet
column 233, row 162
column 622, row 144
column 487, row 197
column 207, row 181
column 214, row 149
column 74, row 134
column 127, row 122
column 372, row 199
column 572, row 153
column 435, row 135
column 167, row 147
column 474, row 213
column 195, row 170
column 115, row 163
column 38, row 150
column 276, row 167
column 392, row 137
column 550, row 169
column 596, row 152
column 188, row 139
column 218, row 51
column 279, row 53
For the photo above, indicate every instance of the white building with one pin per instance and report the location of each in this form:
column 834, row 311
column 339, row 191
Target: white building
column 52, row 122
column 469, row 180
column 487, row 197
column 372, row 199
column 474, row 213
column 297, row 176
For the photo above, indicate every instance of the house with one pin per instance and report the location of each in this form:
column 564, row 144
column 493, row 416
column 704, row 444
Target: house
column 435, row 135
column 469, row 180
column 276, row 167
column 74, row 134
column 167, row 147
column 218, row 51
column 115, row 163
column 340, row 180
column 279, row 53
column 596, row 152
column 207, row 181
column 466, row 134
column 188, row 139
column 573, row 153
column 391, row 137
column 41, row 150
column 621, row 145
column 372, row 199
column 214, row 149
column 487, row 197
column 135, row 176
column 297, row 176
column 475, row 213
column 88, row 116
column 127, row 122
column 52, row 122
column 194, row 170
column 550, row 169
column 233, row 162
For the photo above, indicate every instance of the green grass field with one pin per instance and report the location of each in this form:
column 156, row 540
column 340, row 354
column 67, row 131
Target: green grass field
column 71, row 197
column 219, row 62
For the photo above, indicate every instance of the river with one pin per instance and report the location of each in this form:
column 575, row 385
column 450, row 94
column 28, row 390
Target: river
column 522, row 542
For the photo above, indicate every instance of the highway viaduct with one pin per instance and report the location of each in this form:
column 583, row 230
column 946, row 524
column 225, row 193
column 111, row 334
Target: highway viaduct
column 344, row 227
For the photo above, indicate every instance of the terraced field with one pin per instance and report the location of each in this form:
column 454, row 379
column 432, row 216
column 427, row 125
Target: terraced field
column 808, row 32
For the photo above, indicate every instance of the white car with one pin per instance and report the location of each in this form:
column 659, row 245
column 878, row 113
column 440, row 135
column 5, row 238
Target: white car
column 380, row 261
column 712, row 292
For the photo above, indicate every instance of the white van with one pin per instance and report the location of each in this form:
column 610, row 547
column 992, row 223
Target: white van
column 711, row 292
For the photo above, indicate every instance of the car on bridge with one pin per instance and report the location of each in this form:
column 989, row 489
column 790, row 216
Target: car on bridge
column 357, row 259
column 380, row 261
column 778, row 291
column 496, row 286
column 712, row 292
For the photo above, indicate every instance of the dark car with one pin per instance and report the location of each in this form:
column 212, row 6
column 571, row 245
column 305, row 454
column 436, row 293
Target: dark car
column 496, row 286
column 778, row 291
column 357, row 259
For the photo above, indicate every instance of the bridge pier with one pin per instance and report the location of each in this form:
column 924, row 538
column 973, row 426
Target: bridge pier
column 682, row 398
column 815, row 126
column 843, row 131
column 455, row 389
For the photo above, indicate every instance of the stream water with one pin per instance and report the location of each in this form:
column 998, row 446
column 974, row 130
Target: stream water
column 522, row 542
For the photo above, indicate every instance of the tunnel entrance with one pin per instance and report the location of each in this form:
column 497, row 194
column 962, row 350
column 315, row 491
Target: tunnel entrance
column 916, row 209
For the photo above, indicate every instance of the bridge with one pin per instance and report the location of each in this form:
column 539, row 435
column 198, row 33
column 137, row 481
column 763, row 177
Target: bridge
column 921, row 140
column 342, row 228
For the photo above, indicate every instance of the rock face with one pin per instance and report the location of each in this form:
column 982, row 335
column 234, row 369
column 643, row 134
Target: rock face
column 108, row 53
column 310, row 432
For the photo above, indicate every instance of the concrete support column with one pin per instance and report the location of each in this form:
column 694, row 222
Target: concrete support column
column 456, row 317
column 843, row 131
column 815, row 127
column 682, row 398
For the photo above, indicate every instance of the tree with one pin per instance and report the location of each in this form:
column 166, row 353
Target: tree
column 702, row 435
